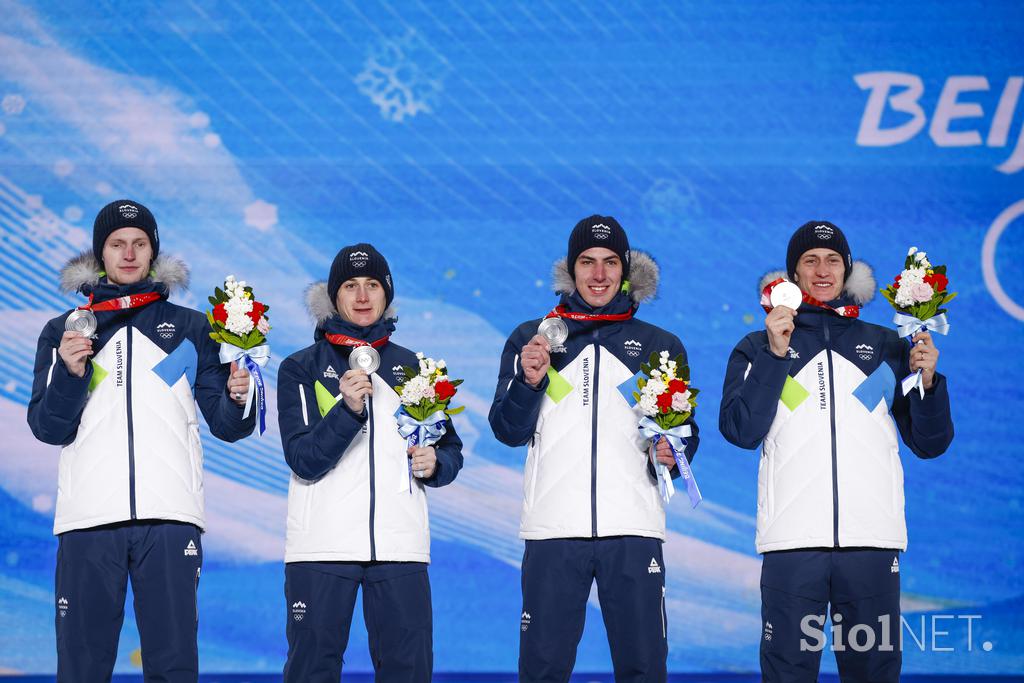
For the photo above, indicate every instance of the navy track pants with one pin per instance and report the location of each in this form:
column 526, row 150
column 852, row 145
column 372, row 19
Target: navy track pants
column 557, row 575
column 859, row 591
column 163, row 560
column 320, row 598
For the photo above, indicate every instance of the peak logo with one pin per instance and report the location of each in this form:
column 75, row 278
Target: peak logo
column 359, row 259
column 129, row 211
column 191, row 550
column 895, row 91
column 330, row 372
column 633, row 348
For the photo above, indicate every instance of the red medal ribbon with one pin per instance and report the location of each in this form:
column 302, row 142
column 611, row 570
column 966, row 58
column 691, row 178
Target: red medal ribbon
column 560, row 312
column 842, row 311
column 345, row 340
column 122, row 302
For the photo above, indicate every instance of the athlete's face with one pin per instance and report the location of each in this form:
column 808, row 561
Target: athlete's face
column 598, row 275
column 127, row 255
column 361, row 300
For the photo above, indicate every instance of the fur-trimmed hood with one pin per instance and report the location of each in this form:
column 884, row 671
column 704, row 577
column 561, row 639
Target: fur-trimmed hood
column 321, row 308
column 84, row 271
column 859, row 286
column 644, row 275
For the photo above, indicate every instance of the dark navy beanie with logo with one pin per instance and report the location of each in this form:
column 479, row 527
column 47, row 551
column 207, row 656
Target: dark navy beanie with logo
column 598, row 231
column 123, row 213
column 816, row 235
column 360, row 260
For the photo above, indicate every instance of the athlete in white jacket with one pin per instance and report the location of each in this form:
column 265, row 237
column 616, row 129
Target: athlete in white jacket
column 130, row 489
column 818, row 391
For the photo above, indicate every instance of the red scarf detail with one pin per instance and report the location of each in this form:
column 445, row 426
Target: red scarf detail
column 560, row 312
column 122, row 302
column 345, row 340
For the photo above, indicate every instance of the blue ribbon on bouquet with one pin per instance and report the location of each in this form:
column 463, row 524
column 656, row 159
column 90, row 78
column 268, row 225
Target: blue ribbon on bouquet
column 252, row 359
column 676, row 438
column 419, row 433
column 908, row 326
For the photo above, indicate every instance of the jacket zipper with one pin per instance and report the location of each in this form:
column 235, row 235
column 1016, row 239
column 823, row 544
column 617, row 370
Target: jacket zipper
column 373, row 501
column 832, row 418
column 131, row 424
column 593, row 438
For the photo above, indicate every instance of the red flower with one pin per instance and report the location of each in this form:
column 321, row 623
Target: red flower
column 665, row 402
column 676, row 386
column 220, row 314
column 256, row 313
column 938, row 281
column 444, row 390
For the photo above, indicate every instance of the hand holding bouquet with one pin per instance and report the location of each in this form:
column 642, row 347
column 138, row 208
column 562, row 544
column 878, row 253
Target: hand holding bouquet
column 918, row 294
column 426, row 397
column 239, row 323
column 666, row 400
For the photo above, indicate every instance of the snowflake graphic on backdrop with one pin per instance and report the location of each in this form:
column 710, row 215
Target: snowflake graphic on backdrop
column 671, row 203
column 403, row 77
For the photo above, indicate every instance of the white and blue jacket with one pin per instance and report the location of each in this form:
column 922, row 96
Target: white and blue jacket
column 826, row 418
column 349, row 497
column 129, row 427
column 587, row 468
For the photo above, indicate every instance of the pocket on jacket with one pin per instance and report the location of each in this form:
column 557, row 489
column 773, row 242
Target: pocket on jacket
column 195, row 456
column 532, row 466
column 300, row 503
column 64, row 474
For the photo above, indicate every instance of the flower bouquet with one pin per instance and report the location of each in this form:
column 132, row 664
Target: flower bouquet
column 426, row 396
column 918, row 294
column 666, row 400
column 239, row 323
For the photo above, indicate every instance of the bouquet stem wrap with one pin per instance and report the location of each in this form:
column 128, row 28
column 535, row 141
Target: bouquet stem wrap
column 252, row 359
column 676, row 438
column 908, row 326
column 423, row 433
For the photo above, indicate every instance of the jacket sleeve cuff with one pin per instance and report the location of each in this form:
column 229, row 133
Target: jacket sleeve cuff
column 67, row 387
column 769, row 370
column 525, row 396
column 935, row 402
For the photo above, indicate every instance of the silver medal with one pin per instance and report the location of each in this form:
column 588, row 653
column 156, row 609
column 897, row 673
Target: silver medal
column 554, row 330
column 83, row 321
column 364, row 358
column 786, row 294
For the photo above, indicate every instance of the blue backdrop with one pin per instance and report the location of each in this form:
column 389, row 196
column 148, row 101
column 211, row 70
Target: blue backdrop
column 464, row 140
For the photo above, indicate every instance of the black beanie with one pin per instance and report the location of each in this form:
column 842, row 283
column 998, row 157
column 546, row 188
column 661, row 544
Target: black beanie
column 598, row 231
column 360, row 260
column 123, row 213
column 815, row 235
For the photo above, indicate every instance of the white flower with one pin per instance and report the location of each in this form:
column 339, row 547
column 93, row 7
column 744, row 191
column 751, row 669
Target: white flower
column 238, row 320
column 655, row 373
column 920, row 256
column 441, row 364
column 664, row 356
column 419, row 355
column 913, row 250
column 648, row 405
column 263, row 325
column 655, row 387
column 417, row 389
column 681, row 401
